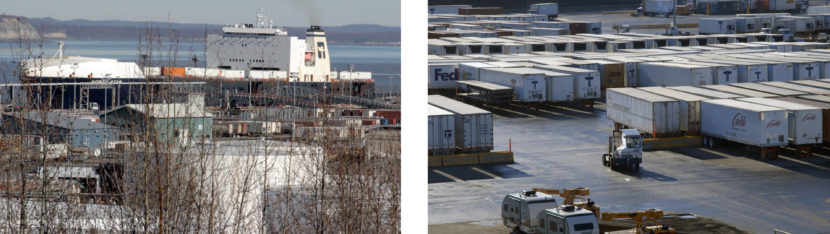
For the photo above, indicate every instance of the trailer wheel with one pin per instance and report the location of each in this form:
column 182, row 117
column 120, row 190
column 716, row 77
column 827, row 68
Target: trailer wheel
column 605, row 160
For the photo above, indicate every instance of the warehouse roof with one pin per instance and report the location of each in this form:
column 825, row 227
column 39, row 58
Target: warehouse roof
column 58, row 119
column 171, row 110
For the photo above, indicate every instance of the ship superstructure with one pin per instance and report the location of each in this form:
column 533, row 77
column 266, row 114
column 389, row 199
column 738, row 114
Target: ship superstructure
column 264, row 47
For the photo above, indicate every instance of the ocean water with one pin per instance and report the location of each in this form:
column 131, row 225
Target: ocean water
column 383, row 61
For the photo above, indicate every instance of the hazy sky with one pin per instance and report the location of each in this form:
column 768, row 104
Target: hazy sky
column 283, row 12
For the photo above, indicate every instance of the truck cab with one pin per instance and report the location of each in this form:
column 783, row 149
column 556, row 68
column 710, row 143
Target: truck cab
column 519, row 210
column 625, row 149
column 567, row 220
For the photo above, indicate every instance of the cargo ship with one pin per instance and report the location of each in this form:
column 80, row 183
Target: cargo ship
column 262, row 61
column 248, row 61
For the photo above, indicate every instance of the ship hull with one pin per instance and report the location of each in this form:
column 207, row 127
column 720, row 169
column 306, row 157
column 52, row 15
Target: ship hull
column 73, row 93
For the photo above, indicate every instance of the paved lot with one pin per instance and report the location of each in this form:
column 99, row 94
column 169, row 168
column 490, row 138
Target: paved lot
column 561, row 148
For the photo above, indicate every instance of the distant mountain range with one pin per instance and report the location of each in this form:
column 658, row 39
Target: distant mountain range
column 80, row 29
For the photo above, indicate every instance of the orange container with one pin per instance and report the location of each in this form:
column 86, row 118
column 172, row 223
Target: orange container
column 172, row 71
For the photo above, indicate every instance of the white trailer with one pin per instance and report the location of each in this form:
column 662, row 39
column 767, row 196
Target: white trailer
column 528, row 84
column 586, row 84
column 551, row 10
column 776, row 70
column 650, row 113
column 803, row 122
column 658, row 7
column 443, row 75
column 560, row 86
column 716, row 26
column 473, row 125
column 673, row 74
column 748, row 71
column 471, row 71
column 689, row 107
column 630, row 65
column 721, row 73
column 746, row 123
column 441, row 131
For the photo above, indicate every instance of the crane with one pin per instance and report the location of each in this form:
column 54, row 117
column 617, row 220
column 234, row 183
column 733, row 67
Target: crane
column 641, row 217
column 574, row 197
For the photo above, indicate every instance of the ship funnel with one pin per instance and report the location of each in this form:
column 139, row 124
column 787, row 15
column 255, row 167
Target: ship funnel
column 314, row 28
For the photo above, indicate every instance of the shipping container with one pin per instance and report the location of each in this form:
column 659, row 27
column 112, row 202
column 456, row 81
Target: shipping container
column 585, row 82
column 528, row 84
column 716, row 26
column 689, row 107
column 718, row 7
column 803, row 122
column 649, row 113
column 473, row 126
column 173, row 71
column 769, row 89
column 443, row 76
column 713, row 94
column 388, row 114
column 441, row 130
column 825, row 113
column 739, row 91
column 743, row 122
column 779, row 5
column 798, row 87
column 673, row 74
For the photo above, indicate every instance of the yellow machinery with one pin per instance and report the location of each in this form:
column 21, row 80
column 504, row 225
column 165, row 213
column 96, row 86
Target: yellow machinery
column 642, row 218
column 573, row 197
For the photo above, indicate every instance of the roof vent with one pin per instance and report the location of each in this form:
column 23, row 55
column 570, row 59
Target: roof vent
column 569, row 208
column 530, row 193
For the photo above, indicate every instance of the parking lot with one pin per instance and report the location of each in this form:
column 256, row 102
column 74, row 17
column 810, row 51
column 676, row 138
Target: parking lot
column 561, row 147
